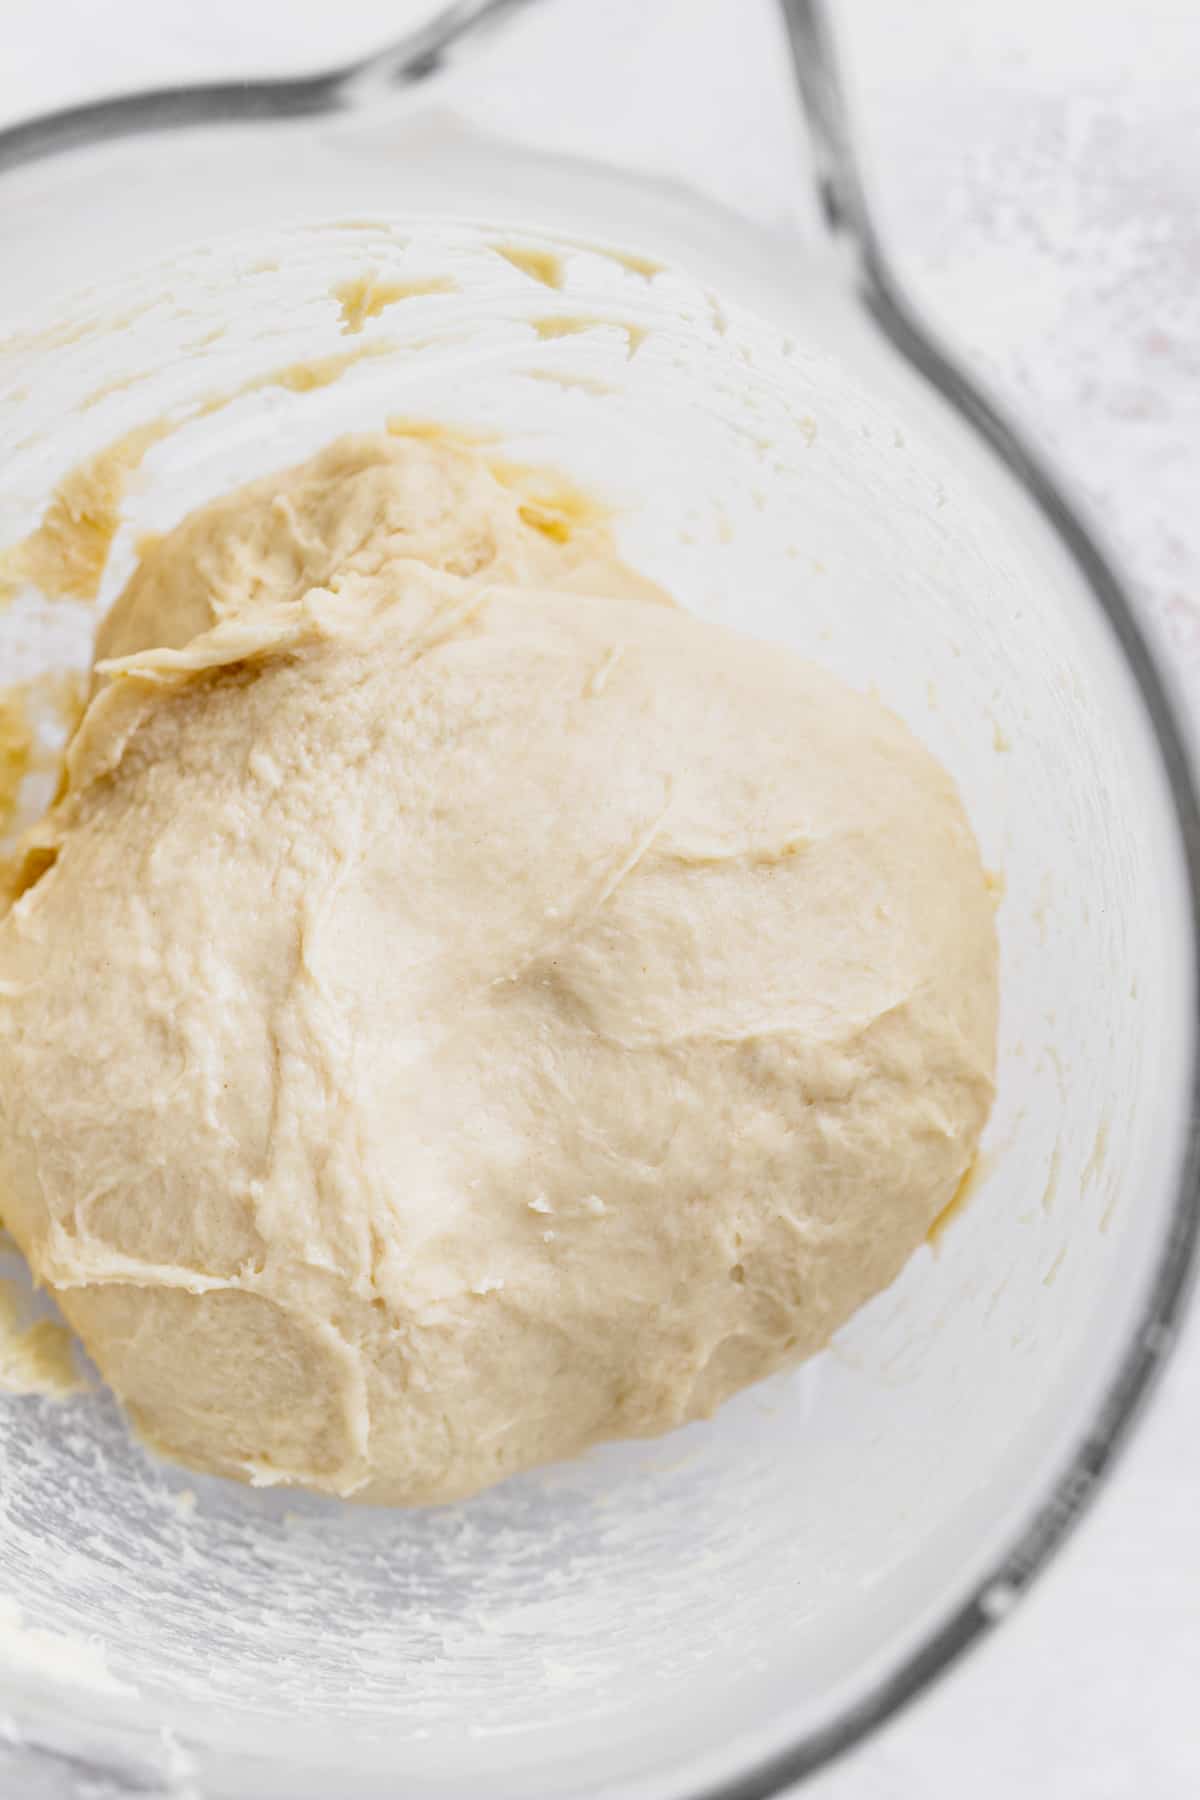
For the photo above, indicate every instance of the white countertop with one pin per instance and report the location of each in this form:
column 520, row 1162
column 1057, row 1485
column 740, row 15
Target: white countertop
column 1037, row 168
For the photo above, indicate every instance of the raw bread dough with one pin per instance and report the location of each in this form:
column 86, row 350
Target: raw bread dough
column 461, row 1009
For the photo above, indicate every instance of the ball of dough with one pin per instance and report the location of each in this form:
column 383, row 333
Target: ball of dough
column 456, row 1016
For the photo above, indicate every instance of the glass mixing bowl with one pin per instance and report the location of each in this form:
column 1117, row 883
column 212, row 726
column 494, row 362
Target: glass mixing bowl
column 719, row 1612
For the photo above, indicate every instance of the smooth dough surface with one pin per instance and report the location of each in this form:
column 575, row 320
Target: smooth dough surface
column 462, row 1009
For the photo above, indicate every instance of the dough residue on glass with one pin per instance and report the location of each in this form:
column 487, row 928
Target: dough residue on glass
column 65, row 555
column 36, row 1357
column 364, row 297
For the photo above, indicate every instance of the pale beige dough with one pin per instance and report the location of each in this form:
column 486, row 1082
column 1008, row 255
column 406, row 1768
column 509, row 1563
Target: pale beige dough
column 462, row 1010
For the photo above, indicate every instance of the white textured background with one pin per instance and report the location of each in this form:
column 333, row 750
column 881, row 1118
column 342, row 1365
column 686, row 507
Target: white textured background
column 1036, row 164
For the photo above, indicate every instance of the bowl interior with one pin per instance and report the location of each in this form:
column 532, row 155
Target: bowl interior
column 655, row 1610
